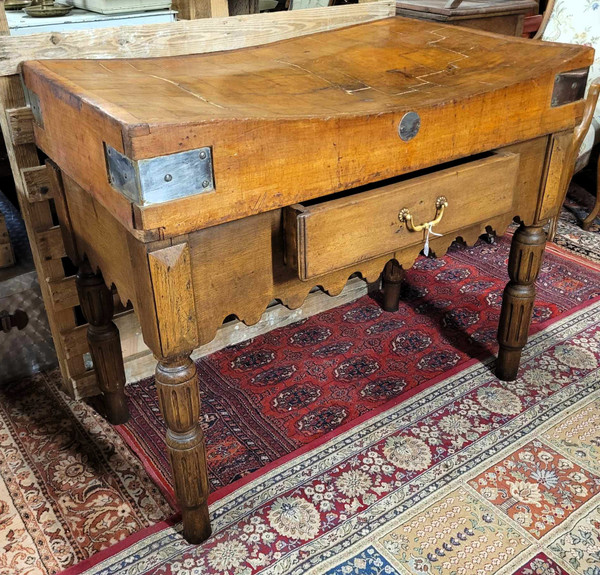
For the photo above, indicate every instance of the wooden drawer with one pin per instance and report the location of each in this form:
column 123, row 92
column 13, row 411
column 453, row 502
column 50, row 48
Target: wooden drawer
column 327, row 235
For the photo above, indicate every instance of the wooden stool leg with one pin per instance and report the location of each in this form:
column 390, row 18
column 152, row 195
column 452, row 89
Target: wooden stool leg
column 393, row 274
column 524, row 263
column 179, row 400
column 103, row 338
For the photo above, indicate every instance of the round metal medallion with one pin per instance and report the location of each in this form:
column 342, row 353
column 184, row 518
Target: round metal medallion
column 409, row 126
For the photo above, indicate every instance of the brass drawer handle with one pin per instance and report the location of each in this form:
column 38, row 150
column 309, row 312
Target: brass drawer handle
column 405, row 216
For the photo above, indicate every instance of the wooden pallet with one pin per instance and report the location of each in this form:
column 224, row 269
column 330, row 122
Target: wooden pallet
column 38, row 184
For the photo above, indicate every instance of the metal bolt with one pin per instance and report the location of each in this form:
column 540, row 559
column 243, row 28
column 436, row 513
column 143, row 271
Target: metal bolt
column 205, row 184
column 203, row 155
column 168, row 177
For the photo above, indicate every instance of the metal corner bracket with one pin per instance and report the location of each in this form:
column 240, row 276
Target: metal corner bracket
column 161, row 179
column 33, row 100
column 569, row 87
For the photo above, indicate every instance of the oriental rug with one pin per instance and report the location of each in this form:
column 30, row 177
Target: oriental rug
column 471, row 476
column 266, row 397
column 69, row 485
column 577, row 206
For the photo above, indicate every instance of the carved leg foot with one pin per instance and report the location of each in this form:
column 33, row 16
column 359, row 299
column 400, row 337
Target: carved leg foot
column 393, row 274
column 103, row 338
column 524, row 263
column 179, row 400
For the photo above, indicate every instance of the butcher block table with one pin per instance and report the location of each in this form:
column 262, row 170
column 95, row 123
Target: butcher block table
column 208, row 185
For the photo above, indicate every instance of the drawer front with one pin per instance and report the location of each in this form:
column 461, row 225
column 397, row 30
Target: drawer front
column 331, row 235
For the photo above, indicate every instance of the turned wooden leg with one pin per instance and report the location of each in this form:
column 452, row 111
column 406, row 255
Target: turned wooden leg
column 103, row 338
column 524, row 263
column 393, row 274
column 179, row 400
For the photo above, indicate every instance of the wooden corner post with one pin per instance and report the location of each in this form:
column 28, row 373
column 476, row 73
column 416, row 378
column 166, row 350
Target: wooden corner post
column 177, row 384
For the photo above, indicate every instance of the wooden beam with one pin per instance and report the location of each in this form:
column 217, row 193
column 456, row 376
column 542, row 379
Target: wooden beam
column 37, row 184
column 20, row 122
column 38, row 218
column 194, row 9
column 186, row 37
column 63, row 293
column 51, row 245
column 7, row 256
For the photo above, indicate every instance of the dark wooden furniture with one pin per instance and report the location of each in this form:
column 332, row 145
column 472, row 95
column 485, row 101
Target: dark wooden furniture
column 500, row 16
column 208, row 185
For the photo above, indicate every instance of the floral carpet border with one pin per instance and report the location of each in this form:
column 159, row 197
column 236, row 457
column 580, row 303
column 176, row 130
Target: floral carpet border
column 157, row 545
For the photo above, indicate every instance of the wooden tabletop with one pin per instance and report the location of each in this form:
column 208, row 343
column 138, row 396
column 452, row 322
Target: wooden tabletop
column 302, row 117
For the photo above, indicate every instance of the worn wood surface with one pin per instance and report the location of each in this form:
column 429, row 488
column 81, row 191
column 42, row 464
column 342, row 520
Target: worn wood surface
column 37, row 184
column 186, row 36
column 103, row 338
column 524, row 264
column 171, row 273
column 312, row 101
column 332, row 102
column 333, row 234
column 193, row 9
column 7, row 256
column 502, row 23
column 179, row 401
column 32, row 181
column 20, row 122
column 140, row 362
column 469, row 8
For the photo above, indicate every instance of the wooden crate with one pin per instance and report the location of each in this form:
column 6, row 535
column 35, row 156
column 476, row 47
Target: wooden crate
column 37, row 183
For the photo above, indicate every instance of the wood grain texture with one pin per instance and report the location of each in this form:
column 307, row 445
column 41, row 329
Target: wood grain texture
column 165, row 39
column 524, row 264
column 193, row 9
column 558, row 174
column 318, row 103
column 171, row 273
column 64, row 294
column 7, row 256
column 38, row 218
column 468, row 7
column 20, row 121
column 103, row 338
column 179, row 401
column 334, row 234
column 140, row 362
column 37, row 184
column 100, row 238
column 185, row 37
column 58, row 194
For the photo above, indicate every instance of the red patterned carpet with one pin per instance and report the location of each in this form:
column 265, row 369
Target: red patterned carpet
column 69, row 486
column 269, row 396
column 472, row 476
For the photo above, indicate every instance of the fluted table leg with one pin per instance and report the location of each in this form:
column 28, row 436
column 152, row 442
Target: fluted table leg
column 524, row 263
column 103, row 339
column 179, row 400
